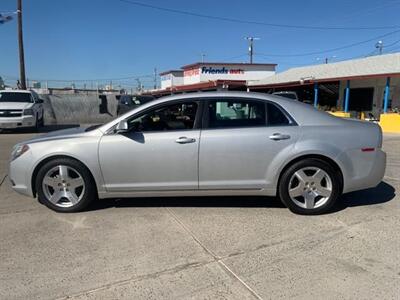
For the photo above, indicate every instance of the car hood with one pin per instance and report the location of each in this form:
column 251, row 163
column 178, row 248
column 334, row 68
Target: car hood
column 15, row 105
column 69, row 133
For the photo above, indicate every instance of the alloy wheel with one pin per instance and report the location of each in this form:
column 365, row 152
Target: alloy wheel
column 310, row 187
column 63, row 186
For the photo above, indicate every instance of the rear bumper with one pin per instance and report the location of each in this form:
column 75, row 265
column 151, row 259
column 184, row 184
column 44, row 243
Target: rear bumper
column 17, row 122
column 363, row 169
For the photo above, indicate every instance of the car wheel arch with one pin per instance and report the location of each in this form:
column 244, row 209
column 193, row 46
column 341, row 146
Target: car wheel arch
column 321, row 157
column 50, row 158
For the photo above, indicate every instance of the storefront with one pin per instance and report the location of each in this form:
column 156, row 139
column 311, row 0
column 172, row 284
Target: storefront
column 212, row 76
column 367, row 88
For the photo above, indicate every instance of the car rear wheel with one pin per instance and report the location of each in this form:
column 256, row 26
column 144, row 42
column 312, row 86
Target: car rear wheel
column 65, row 185
column 310, row 186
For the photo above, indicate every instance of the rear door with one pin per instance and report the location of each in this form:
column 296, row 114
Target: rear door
column 238, row 143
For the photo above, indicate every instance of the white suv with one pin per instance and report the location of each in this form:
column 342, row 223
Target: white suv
column 20, row 108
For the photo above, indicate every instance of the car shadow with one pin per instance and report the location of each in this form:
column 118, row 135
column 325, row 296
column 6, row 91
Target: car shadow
column 203, row 201
column 383, row 193
column 43, row 129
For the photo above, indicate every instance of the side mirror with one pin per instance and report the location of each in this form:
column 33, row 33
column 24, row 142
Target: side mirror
column 39, row 101
column 122, row 127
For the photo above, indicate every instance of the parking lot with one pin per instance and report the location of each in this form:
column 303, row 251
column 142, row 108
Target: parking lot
column 202, row 248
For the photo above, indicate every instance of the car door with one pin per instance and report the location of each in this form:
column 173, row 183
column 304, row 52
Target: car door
column 238, row 143
column 159, row 151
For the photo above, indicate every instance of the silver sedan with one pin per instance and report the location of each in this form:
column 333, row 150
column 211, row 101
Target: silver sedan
column 205, row 144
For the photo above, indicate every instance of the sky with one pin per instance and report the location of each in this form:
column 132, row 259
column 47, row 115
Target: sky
column 100, row 40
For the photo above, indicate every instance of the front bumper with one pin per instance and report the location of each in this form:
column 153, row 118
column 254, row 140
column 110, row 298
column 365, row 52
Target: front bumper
column 19, row 174
column 17, row 122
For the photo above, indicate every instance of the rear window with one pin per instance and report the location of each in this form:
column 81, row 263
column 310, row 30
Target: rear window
column 15, row 97
column 287, row 95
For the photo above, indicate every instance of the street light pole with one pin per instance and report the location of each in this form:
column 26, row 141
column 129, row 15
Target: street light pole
column 21, row 47
column 379, row 46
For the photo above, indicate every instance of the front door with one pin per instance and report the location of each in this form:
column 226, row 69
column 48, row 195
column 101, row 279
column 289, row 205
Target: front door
column 239, row 142
column 159, row 152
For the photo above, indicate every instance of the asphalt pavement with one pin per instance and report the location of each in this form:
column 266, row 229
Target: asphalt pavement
column 201, row 248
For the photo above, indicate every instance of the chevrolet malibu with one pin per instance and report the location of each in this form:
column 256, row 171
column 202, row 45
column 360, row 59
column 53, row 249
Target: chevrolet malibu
column 205, row 144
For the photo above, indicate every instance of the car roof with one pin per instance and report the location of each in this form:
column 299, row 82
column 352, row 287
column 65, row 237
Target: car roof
column 303, row 114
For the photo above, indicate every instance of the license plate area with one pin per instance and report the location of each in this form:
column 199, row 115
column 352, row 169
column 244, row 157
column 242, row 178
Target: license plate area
column 8, row 125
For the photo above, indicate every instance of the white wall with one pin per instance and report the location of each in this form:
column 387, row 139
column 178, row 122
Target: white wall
column 171, row 79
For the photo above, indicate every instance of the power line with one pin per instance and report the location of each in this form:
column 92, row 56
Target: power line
column 392, row 44
column 394, row 49
column 234, row 20
column 92, row 79
column 333, row 49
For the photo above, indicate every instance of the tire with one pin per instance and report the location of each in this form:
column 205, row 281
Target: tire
column 35, row 128
column 41, row 121
column 310, row 187
column 65, row 185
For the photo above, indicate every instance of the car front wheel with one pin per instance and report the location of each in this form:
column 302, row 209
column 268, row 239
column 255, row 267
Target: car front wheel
column 65, row 185
column 310, row 186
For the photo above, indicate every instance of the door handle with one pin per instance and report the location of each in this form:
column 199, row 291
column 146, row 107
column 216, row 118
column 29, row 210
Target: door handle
column 184, row 140
column 279, row 136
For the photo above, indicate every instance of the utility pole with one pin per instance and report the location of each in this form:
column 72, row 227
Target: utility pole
column 155, row 78
column 251, row 47
column 21, row 47
column 327, row 59
column 139, row 87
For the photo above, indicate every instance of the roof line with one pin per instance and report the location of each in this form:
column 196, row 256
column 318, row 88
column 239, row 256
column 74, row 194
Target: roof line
column 226, row 63
column 297, row 82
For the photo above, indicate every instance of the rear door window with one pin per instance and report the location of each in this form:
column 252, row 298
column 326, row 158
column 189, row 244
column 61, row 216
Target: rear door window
column 275, row 116
column 233, row 113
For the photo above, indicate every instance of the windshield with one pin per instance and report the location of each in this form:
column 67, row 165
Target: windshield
column 15, row 97
column 93, row 127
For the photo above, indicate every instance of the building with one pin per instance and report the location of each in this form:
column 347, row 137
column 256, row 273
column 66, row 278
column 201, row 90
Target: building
column 370, row 84
column 212, row 76
column 367, row 88
column 171, row 78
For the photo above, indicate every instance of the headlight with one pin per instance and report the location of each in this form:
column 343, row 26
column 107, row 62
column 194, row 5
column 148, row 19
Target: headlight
column 28, row 112
column 18, row 151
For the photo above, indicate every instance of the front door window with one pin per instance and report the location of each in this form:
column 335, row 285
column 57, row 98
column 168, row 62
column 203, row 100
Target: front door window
column 179, row 116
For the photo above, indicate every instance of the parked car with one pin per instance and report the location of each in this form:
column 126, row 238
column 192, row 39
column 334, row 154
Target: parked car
column 19, row 109
column 197, row 144
column 287, row 94
column 129, row 102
